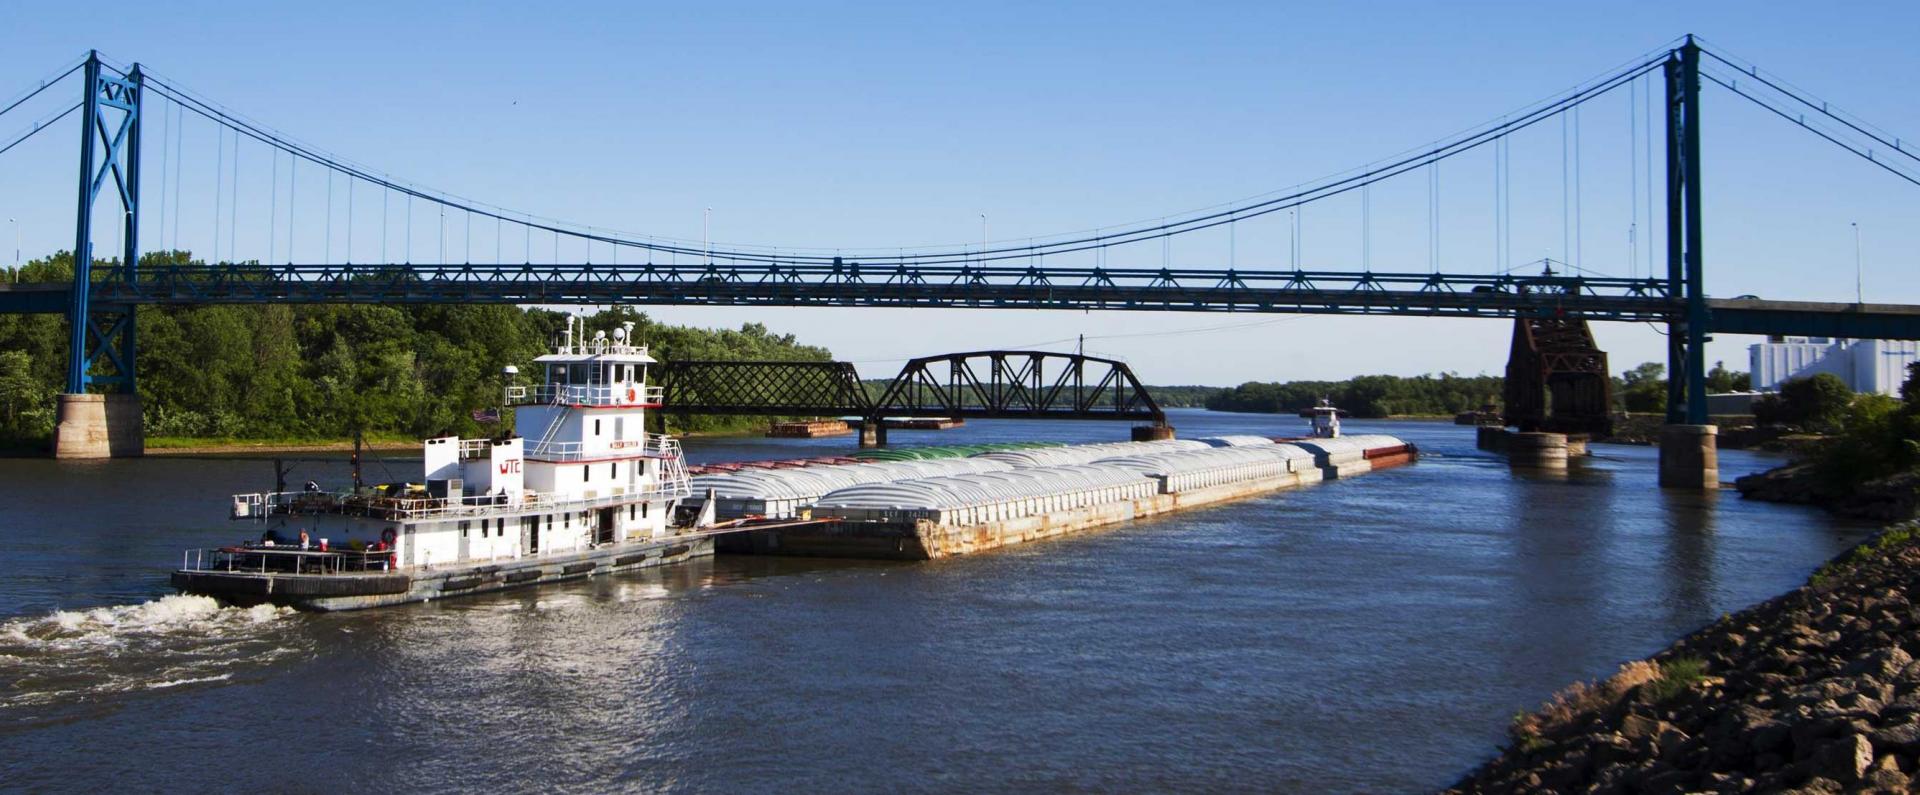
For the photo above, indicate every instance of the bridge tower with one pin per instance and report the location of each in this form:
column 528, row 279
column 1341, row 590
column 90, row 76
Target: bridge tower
column 1688, row 454
column 100, row 353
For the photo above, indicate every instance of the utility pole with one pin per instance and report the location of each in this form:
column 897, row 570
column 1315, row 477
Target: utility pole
column 1859, row 291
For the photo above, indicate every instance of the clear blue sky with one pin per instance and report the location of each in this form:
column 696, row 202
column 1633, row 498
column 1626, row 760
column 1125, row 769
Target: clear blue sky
column 900, row 124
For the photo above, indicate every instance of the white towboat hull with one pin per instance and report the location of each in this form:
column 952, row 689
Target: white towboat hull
column 355, row 591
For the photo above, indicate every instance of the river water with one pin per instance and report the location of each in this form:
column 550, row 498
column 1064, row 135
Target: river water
column 1372, row 634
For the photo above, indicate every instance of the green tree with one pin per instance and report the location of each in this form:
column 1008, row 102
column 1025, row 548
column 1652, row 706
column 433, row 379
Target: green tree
column 1722, row 380
column 20, row 392
column 1818, row 403
column 328, row 370
column 1643, row 389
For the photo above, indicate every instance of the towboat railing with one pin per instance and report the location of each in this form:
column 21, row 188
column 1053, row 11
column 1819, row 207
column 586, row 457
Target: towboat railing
column 654, row 446
column 587, row 395
column 262, row 559
column 284, row 503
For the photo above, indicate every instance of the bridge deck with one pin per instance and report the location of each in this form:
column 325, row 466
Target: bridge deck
column 1184, row 290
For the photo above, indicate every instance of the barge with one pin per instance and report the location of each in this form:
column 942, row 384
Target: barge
column 592, row 493
column 938, row 509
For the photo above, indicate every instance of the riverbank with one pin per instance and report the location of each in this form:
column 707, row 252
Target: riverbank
column 1816, row 690
column 1737, row 432
column 189, row 446
column 1894, row 498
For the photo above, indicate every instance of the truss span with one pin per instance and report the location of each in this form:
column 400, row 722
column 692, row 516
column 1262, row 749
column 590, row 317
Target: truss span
column 973, row 385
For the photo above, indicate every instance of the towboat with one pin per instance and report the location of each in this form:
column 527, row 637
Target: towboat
column 590, row 492
column 1323, row 420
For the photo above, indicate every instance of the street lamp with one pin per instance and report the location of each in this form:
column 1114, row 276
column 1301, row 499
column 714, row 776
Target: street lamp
column 706, row 234
column 16, row 248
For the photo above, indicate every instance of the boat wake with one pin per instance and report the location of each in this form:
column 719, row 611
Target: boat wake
column 74, row 657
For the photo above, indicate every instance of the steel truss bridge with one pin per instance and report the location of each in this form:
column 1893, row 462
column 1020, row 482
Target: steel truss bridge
column 103, row 297
column 973, row 385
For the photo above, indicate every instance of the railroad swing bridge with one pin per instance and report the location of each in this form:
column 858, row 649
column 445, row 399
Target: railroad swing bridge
column 973, row 385
column 122, row 106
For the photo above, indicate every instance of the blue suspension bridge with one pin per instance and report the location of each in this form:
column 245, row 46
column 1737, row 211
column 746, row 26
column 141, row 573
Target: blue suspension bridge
column 118, row 107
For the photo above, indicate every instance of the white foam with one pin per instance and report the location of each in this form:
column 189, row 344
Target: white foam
column 193, row 680
column 164, row 643
column 166, row 615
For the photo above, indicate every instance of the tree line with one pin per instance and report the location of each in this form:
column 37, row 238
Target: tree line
column 1367, row 395
column 295, row 372
column 1641, row 389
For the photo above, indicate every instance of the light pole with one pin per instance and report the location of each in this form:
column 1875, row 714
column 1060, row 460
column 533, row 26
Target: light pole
column 706, row 234
column 983, row 238
column 1859, row 292
column 16, row 248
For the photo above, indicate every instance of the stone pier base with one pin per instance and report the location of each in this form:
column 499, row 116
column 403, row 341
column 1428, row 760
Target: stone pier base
column 1537, row 450
column 1152, row 433
column 873, row 434
column 1690, row 456
column 98, row 426
column 1577, row 444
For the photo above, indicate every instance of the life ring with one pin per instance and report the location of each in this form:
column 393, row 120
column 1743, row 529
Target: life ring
column 387, row 536
column 630, row 394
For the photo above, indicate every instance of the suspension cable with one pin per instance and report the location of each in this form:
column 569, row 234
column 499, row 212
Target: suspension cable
column 40, row 125
column 1321, row 191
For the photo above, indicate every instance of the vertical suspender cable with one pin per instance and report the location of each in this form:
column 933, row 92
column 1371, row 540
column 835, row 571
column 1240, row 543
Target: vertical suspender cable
column 166, row 143
column 233, row 205
column 1566, row 193
column 179, row 114
column 1647, row 104
column 1300, row 236
column 1434, row 238
column 293, row 194
column 1366, row 226
column 1579, row 221
column 1633, row 179
column 1495, row 151
column 219, row 183
column 273, row 207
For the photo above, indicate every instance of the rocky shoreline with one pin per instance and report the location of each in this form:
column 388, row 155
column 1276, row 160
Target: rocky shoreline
column 1887, row 499
column 1815, row 691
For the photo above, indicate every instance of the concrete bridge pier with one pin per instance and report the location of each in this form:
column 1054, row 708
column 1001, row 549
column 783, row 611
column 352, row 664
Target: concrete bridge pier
column 1537, row 450
column 873, row 433
column 98, row 426
column 1690, row 456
